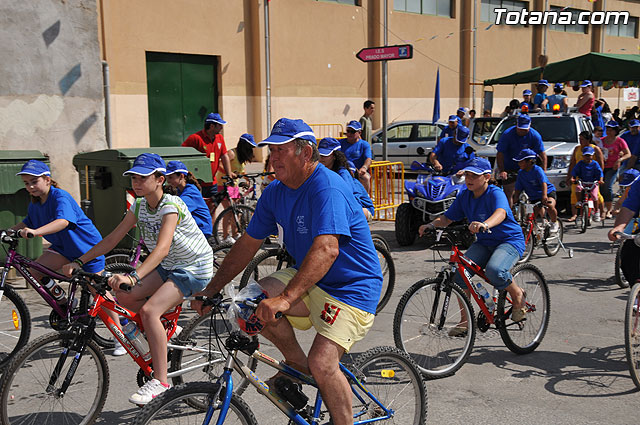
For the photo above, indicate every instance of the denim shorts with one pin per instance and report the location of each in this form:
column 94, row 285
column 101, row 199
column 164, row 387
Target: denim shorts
column 497, row 262
column 184, row 280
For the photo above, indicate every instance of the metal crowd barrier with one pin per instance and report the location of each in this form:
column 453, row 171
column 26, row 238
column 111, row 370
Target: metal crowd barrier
column 387, row 188
column 327, row 130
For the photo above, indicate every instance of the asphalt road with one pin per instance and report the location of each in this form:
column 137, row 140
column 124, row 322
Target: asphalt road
column 578, row 375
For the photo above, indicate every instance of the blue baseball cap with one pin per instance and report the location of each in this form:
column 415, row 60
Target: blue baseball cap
column 526, row 92
column 525, row 154
column 462, row 134
column 351, row 166
column 327, row 146
column 629, row 177
column 588, row 150
column 453, row 118
column 634, row 123
column 176, row 167
column 612, row 124
column 215, row 117
column 249, row 139
column 478, row 166
column 462, row 109
column 286, row 130
column 524, row 122
column 33, row 167
column 543, row 83
column 146, row 164
column 355, row 125
column 558, row 86
column 586, row 83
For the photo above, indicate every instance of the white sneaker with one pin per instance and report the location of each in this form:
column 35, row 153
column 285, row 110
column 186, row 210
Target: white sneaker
column 118, row 350
column 554, row 227
column 229, row 239
column 148, row 392
column 596, row 216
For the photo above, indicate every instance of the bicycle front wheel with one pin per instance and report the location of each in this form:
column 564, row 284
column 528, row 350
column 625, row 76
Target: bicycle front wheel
column 439, row 349
column 394, row 380
column 15, row 325
column 236, row 218
column 171, row 407
column 584, row 223
column 551, row 242
column 264, row 264
column 632, row 333
column 27, row 396
column 525, row 336
column 388, row 274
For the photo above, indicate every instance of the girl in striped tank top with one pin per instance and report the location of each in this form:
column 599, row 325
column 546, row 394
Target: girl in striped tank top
column 180, row 262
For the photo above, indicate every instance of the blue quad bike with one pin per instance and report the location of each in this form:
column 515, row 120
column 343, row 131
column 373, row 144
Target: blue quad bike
column 429, row 197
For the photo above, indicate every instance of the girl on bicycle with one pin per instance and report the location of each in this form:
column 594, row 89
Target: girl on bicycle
column 332, row 157
column 588, row 170
column 54, row 213
column 536, row 184
column 180, row 262
column 180, row 178
column 238, row 156
column 486, row 208
column 615, row 151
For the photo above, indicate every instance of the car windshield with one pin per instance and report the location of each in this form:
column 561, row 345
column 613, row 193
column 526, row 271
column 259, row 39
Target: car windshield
column 557, row 128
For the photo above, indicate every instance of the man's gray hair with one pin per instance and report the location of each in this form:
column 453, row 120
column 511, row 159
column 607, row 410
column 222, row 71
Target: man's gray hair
column 301, row 143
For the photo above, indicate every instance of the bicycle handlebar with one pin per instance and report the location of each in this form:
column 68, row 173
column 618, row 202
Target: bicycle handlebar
column 102, row 280
column 217, row 300
column 8, row 235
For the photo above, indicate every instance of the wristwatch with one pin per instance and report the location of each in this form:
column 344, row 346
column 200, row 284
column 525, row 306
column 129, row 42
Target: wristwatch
column 134, row 274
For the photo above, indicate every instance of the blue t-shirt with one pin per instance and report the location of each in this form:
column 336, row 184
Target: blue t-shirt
column 633, row 142
column 324, row 205
column 448, row 131
column 452, row 156
column 633, row 198
column 192, row 197
column 538, row 98
column 77, row 238
column 531, row 182
column 357, row 189
column 587, row 172
column 555, row 99
column 596, row 118
column 480, row 209
column 357, row 152
column 510, row 144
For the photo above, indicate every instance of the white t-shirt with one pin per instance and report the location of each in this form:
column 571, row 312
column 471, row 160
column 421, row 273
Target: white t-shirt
column 189, row 249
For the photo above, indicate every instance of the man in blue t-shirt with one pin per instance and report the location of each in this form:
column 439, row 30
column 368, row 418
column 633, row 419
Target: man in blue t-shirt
column 542, row 87
column 526, row 100
column 632, row 137
column 512, row 141
column 358, row 151
column 336, row 281
column 451, row 153
column 450, row 129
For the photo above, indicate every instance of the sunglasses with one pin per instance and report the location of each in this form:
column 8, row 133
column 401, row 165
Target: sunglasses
column 350, row 131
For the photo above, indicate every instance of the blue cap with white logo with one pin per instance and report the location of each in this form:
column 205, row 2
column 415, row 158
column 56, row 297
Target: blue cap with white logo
column 327, row 145
column 634, row 123
column 586, row 83
column 34, row 167
column 286, row 130
column 146, row 164
column 462, row 134
column 525, row 154
column 558, row 86
column 629, row 177
column 215, row 118
column 543, row 83
column 478, row 165
column 588, row 150
column 524, row 122
column 354, row 125
column 176, row 167
column 249, row 139
column 526, row 92
column 453, row 118
column 612, row 124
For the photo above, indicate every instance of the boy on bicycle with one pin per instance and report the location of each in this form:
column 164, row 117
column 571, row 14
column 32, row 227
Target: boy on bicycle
column 588, row 170
column 535, row 183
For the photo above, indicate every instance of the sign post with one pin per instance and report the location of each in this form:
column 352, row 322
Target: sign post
column 384, row 54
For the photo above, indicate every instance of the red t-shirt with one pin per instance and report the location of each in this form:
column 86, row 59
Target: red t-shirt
column 213, row 149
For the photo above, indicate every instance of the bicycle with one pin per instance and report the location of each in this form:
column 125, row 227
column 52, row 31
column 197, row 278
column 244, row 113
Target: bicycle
column 632, row 323
column 538, row 231
column 240, row 215
column 585, row 205
column 248, row 191
column 385, row 383
column 619, row 278
column 15, row 322
column 426, row 319
column 274, row 259
column 68, row 392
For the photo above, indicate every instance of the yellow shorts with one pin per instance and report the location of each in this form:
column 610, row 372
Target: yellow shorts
column 333, row 319
column 574, row 195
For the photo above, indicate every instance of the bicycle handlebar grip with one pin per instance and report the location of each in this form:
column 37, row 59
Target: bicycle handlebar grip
column 278, row 315
column 125, row 287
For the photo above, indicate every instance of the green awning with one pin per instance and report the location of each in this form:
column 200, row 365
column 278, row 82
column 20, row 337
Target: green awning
column 592, row 66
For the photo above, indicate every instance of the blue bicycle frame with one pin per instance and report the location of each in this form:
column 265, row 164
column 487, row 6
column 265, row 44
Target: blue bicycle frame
column 226, row 382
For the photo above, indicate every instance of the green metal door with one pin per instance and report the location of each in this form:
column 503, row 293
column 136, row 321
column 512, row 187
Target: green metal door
column 182, row 90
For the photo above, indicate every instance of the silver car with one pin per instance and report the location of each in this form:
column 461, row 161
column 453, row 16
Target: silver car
column 404, row 138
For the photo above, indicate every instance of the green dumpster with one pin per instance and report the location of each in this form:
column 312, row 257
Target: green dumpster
column 106, row 194
column 14, row 199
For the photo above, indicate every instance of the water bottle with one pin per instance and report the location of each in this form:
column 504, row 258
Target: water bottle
column 486, row 296
column 136, row 338
column 55, row 290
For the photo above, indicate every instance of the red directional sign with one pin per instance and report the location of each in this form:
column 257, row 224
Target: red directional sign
column 385, row 53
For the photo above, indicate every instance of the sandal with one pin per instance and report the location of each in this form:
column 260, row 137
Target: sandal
column 460, row 331
column 571, row 219
column 519, row 315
